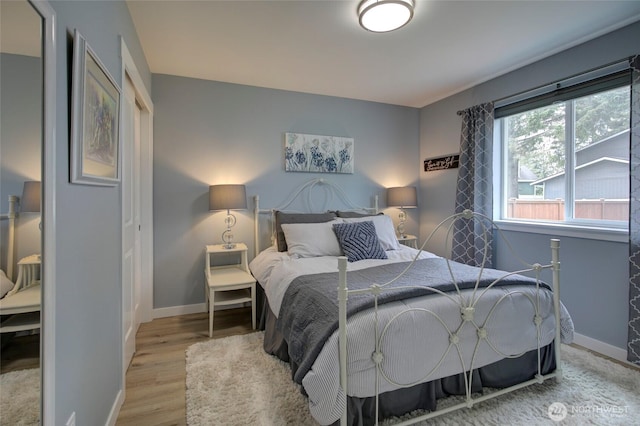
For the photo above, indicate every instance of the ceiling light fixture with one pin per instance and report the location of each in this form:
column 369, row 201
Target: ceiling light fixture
column 381, row 16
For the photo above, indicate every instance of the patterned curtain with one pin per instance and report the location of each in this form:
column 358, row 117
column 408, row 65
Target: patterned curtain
column 633, row 341
column 474, row 188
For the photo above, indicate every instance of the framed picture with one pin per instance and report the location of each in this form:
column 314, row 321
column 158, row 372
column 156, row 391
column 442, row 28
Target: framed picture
column 318, row 154
column 95, row 119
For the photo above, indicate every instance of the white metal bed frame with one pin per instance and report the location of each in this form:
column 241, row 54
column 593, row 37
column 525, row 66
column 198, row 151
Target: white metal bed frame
column 466, row 306
column 305, row 191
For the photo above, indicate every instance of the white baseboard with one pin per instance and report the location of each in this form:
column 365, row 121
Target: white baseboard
column 190, row 309
column 179, row 310
column 115, row 409
column 603, row 348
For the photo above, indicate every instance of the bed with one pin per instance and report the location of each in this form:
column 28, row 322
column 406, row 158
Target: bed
column 19, row 301
column 373, row 329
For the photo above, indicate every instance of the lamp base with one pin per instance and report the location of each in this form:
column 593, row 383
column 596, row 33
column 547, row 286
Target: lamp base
column 227, row 237
column 400, row 228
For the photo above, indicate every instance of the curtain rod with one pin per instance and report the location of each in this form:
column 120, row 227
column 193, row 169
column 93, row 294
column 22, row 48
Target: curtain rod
column 569, row 81
column 574, row 79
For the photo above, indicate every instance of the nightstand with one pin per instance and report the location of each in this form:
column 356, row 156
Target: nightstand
column 228, row 284
column 409, row 240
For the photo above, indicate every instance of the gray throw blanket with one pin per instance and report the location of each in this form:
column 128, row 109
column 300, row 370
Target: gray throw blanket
column 309, row 311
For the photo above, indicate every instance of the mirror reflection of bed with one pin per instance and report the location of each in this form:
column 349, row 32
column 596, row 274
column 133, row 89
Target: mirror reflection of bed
column 20, row 162
column 20, row 291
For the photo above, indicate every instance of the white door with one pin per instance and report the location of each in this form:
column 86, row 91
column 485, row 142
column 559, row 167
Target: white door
column 131, row 265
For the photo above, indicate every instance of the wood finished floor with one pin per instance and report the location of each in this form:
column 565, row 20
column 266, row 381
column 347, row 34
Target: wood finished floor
column 155, row 381
column 155, row 388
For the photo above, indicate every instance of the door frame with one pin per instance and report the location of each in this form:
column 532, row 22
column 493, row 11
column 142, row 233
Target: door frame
column 130, row 187
column 48, row 215
column 130, row 70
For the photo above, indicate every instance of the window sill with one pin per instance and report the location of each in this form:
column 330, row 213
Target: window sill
column 562, row 230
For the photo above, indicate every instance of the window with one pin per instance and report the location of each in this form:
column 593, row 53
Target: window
column 565, row 155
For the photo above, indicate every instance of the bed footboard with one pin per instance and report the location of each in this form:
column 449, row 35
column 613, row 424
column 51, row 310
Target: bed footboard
column 468, row 318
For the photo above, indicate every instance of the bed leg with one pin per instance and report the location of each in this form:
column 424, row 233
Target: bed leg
column 555, row 262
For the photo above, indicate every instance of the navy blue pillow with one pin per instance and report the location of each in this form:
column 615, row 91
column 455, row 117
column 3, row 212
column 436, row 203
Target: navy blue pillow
column 358, row 241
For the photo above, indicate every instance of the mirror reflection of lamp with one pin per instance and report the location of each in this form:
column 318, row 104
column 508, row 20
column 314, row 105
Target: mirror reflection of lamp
column 405, row 197
column 228, row 197
column 30, row 201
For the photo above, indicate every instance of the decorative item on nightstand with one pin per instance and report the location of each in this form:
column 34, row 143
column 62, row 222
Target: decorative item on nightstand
column 405, row 197
column 228, row 197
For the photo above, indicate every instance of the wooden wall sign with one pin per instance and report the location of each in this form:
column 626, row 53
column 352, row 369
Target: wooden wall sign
column 442, row 163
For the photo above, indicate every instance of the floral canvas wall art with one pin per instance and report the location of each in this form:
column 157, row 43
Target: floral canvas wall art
column 319, row 154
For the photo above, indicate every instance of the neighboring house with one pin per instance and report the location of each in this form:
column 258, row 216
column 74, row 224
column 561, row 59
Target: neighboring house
column 602, row 172
column 526, row 186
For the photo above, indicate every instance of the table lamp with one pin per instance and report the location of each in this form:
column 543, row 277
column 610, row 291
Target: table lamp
column 228, row 197
column 404, row 197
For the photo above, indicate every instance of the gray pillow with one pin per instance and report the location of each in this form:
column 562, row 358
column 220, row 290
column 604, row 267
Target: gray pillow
column 352, row 214
column 359, row 241
column 282, row 217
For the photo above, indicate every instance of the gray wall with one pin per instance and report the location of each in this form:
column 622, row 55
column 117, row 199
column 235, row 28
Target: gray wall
column 20, row 147
column 88, row 358
column 210, row 133
column 596, row 295
column 595, row 292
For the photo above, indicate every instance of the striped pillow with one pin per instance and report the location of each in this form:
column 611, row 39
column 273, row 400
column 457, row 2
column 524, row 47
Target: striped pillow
column 359, row 241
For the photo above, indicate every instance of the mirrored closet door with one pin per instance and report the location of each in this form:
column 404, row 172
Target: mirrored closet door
column 21, row 165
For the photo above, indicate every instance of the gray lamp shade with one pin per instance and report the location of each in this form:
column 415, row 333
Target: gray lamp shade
column 30, row 201
column 402, row 196
column 227, row 197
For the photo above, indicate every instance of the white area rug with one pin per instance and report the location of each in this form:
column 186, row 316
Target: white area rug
column 20, row 397
column 232, row 381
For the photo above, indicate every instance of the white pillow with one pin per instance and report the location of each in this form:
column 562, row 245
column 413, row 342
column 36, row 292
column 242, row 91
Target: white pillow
column 311, row 239
column 384, row 229
column 5, row 284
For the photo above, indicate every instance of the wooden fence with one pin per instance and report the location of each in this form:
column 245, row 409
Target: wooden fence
column 601, row 209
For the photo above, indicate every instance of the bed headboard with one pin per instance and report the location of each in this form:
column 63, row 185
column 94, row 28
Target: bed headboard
column 314, row 196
